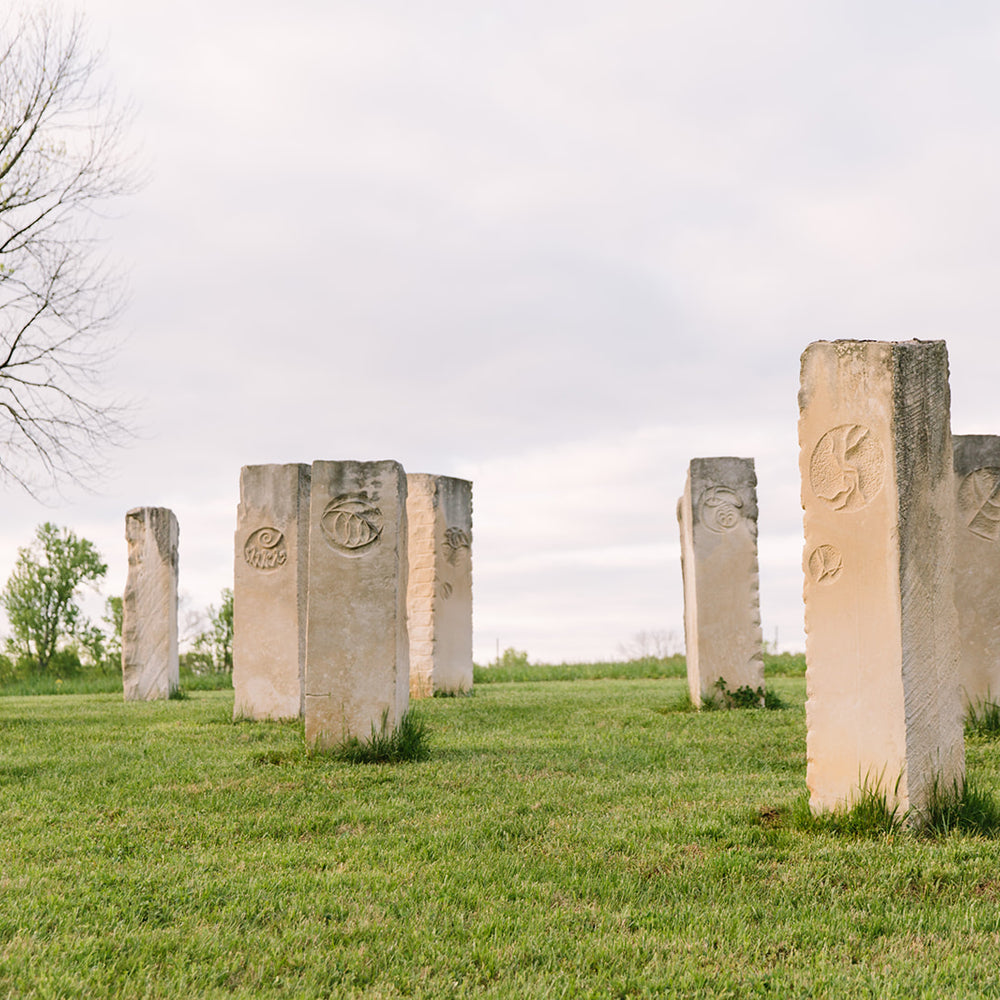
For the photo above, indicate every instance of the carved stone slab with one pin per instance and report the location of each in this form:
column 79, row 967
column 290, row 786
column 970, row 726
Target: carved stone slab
column 357, row 651
column 439, row 594
column 718, row 524
column 150, row 667
column 269, row 588
column 977, row 564
column 881, row 628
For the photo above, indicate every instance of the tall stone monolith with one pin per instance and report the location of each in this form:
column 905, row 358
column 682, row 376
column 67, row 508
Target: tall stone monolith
column 439, row 592
column 718, row 523
column 150, row 667
column 357, row 651
column 269, row 590
column 977, row 565
column 883, row 707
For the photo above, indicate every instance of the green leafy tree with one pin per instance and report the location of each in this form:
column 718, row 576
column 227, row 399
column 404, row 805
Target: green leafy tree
column 221, row 619
column 212, row 649
column 103, row 645
column 40, row 597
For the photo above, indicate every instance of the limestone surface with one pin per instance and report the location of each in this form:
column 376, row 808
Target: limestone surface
column 150, row 667
column 977, row 565
column 883, row 705
column 718, row 524
column 269, row 590
column 439, row 593
column 357, row 651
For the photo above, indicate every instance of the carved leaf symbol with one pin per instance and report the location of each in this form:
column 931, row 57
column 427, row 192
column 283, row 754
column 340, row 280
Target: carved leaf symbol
column 351, row 521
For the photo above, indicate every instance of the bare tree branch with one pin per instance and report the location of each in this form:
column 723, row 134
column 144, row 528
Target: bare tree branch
column 62, row 157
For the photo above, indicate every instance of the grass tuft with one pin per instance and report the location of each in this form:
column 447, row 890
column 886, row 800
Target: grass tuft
column 178, row 694
column 440, row 693
column 983, row 719
column 407, row 742
column 870, row 816
column 963, row 807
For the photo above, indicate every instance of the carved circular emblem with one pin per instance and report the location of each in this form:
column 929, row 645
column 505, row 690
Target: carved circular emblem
column 265, row 549
column 847, row 467
column 456, row 539
column 351, row 522
column 825, row 564
column 720, row 508
column 979, row 502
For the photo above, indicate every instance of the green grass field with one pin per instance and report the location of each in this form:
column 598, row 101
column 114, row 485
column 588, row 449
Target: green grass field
column 579, row 838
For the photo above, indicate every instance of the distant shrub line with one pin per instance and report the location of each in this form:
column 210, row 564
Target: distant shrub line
column 514, row 666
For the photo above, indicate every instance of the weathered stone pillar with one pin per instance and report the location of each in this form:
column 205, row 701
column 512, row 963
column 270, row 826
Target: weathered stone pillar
column 883, row 706
column 357, row 651
column 150, row 668
column 718, row 524
column 269, row 588
column 439, row 593
column 977, row 565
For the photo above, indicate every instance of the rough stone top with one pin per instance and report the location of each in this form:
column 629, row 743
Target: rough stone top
column 890, row 343
column 976, row 451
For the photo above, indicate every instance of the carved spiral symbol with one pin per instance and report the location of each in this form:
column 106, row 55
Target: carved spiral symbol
column 265, row 549
column 721, row 509
column 351, row 522
column 268, row 538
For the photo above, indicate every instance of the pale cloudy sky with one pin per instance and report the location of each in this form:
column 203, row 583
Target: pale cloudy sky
column 558, row 248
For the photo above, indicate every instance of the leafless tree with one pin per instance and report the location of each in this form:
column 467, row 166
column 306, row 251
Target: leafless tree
column 62, row 159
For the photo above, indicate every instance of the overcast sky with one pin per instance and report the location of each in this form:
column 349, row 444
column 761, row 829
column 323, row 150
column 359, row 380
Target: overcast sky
column 558, row 248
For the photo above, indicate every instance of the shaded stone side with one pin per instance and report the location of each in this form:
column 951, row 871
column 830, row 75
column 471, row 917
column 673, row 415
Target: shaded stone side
column 977, row 564
column 439, row 593
column 150, row 666
column 883, row 706
column 717, row 516
column 421, row 524
column 269, row 591
column 357, row 650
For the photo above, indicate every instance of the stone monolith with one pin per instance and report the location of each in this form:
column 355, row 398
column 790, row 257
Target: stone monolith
column 718, row 525
column 150, row 667
column 883, row 707
column 977, row 565
column 269, row 589
column 357, row 651
column 439, row 592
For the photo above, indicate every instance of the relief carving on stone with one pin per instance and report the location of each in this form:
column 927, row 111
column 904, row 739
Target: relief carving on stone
column 351, row 522
column 979, row 501
column 446, row 590
column 847, row 467
column 455, row 539
column 825, row 564
column 720, row 508
column 265, row 549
